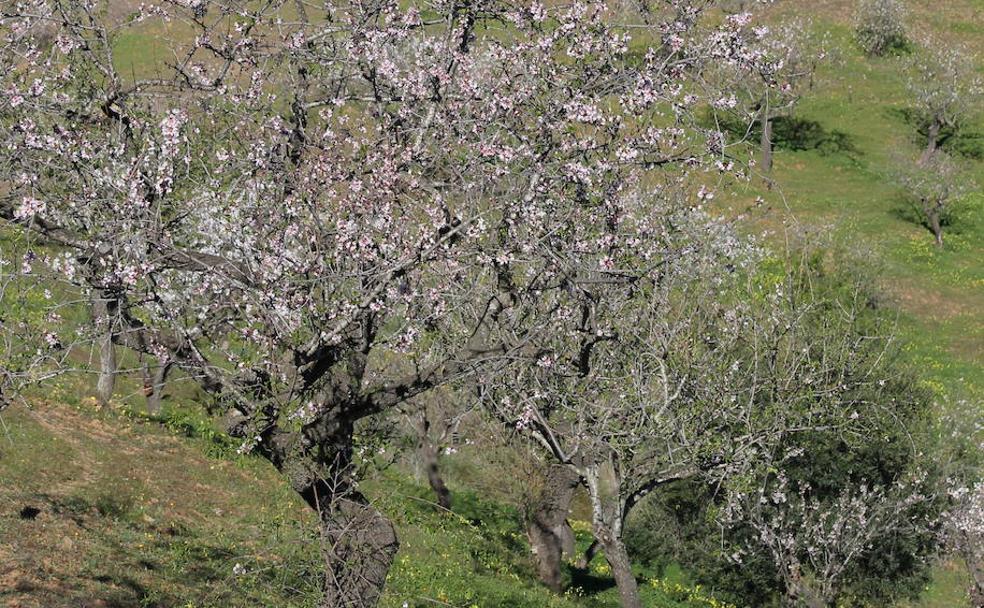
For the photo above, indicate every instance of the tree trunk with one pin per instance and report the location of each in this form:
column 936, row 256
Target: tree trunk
column 428, row 454
column 766, row 121
column 607, row 520
column 429, row 458
column 360, row 545
column 103, row 311
column 107, row 368
column 932, row 141
column 154, row 388
column 799, row 594
column 618, row 559
column 550, row 535
column 933, row 218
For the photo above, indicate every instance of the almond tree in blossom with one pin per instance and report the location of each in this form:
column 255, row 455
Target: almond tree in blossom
column 814, row 541
column 320, row 214
column 788, row 56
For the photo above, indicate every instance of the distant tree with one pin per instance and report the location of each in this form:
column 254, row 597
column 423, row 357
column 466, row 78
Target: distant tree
column 434, row 421
column 788, row 57
column 879, row 26
column 944, row 87
column 935, row 185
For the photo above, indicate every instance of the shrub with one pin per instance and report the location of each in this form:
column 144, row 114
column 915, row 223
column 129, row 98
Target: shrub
column 880, row 26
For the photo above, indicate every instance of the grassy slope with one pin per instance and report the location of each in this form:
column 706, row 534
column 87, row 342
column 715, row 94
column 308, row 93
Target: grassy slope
column 846, row 191
column 131, row 515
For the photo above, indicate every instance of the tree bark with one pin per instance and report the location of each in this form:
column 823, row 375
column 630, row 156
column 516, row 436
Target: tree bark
column 154, row 387
column 618, row 559
column 103, row 311
column 360, row 545
column 429, row 458
column 550, row 535
column 935, row 225
column 932, row 142
column 766, row 143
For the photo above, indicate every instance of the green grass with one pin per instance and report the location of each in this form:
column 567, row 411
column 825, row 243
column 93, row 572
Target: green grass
column 836, row 185
column 134, row 515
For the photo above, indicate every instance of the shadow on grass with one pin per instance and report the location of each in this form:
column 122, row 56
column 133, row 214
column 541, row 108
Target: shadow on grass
column 793, row 133
column 590, row 584
column 961, row 219
column 958, row 142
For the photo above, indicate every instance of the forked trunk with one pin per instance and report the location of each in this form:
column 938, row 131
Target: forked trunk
column 550, row 535
column 932, row 142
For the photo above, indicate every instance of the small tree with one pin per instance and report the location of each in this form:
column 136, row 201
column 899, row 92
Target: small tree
column 434, row 421
column 815, row 539
column 944, row 87
column 787, row 57
column 879, row 26
column 965, row 535
column 935, row 186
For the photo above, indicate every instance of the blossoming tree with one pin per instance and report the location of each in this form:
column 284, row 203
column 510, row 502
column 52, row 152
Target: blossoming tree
column 319, row 214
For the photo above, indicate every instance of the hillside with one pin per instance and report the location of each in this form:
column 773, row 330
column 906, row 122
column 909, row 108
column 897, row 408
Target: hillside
column 137, row 513
column 109, row 508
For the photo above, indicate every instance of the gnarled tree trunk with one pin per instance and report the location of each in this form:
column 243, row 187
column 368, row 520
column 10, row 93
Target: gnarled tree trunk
column 550, row 535
column 359, row 543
